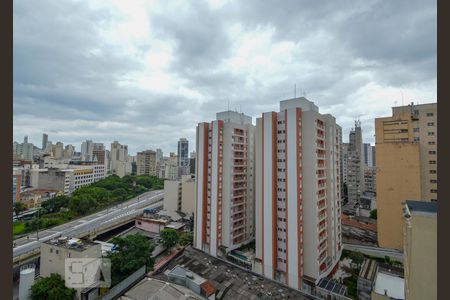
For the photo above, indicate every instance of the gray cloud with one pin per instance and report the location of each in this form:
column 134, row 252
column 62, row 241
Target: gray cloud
column 350, row 57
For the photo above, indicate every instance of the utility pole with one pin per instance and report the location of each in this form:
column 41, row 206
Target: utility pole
column 37, row 232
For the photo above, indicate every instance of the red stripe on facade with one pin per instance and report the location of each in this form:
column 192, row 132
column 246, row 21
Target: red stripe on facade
column 286, row 174
column 219, row 184
column 262, row 194
column 299, row 193
column 205, row 181
column 196, row 187
column 274, row 192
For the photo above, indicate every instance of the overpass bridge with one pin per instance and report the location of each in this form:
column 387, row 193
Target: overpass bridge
column 89, row 226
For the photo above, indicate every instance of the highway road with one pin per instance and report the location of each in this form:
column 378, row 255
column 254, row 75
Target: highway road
column 128, row 209
column 376, row 251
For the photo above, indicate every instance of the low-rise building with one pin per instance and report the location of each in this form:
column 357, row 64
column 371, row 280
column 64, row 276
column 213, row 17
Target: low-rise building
column 366, row 279
column 55, row 252
column 33, row 198
column 389, row 284
column 367, row 203
column 420, row 250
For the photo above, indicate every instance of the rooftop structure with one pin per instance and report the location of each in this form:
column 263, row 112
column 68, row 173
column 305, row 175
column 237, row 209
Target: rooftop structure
column 231, row 282
column 154, row 289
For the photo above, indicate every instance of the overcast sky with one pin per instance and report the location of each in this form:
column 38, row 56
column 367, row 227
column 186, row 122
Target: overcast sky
column 146, row 72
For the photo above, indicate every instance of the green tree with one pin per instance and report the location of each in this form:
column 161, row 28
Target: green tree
column 82, row 204
column 169, row 237
column 51, row 288
column 132, row 252
column 186, row 238
column 119, row 194
column 373, row 214
column 55, row 204
column 18, row 207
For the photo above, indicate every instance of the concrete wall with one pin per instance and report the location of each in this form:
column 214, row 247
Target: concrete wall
column 53, row 257
column 398, row 179
column 420, row 250
column 171, row 195
column 188, row 197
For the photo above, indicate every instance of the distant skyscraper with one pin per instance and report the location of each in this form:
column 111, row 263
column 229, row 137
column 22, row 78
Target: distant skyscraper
column 355, row 164
column 183, row 156
column 298, row 194
column 146, row 163
column 368, row 152
column 86, row 150
column 44, row 141
column 120, row 165
column 25, row 139
column 58, row 150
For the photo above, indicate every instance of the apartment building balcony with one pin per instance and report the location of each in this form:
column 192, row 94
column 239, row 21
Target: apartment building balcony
column 322, row 237
column 239, row 163
column 322, row 216
column 238, row 217
column 238, row 155
column 240, row 204
column 321, row 228
column 239, row 180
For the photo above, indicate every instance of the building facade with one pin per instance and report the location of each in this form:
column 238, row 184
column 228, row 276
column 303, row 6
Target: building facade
column 406, row 164
column 179, row 195
column 298, row 194
column 183, row 157
column 224, row 218
column 420, row 250
column 355, row 164
column 120, row 165
column 146, row 163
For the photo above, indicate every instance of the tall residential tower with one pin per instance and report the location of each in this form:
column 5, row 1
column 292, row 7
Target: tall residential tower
column 224, row 217
column 298, row 194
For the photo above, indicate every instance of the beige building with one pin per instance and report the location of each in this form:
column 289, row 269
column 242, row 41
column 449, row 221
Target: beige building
column 146, row 163
column 179, row 195
column 420, row 250
column 54, row 252
column 297, row 194
column 406, row 160
column 120, row 164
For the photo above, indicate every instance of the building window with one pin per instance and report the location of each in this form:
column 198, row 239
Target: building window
column 433, row 200
column 430, row 123
column 431, row 143
column 431, row 152
column 416, row 130
column 432, row 162
column 430, row 132
column 433, row 181
column 433, row 172
column 433, row 191
column 416, row 139
column 430, row 114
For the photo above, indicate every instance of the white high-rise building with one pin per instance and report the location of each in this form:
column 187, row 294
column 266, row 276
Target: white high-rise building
column 224, row 217
column 120, row 165
column 297, row 194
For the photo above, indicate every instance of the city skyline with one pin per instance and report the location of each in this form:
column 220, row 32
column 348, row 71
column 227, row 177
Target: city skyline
column 141, row 75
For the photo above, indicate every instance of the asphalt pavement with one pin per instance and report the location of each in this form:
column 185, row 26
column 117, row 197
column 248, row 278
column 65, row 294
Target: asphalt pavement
column 128, row 209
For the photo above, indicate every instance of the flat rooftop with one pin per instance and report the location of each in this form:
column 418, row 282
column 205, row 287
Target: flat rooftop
column 154, row 289
column 72, row 244
column 231, row 282
column 421, row 206
column 390, row 285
